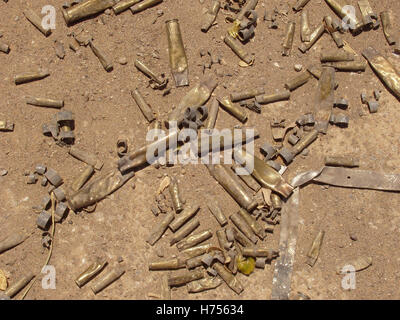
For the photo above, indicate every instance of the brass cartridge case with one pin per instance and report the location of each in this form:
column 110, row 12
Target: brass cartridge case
column 144, row 5
column 210, row 15
column 92, row 271
column 325, row 98
column 333, row 31
column 31, row 76
column 387, row 27
column 217, row 213
column 276, row 201
column 300, row 4
column 232, row 184
column 83, row 178
column 143, row 106
column 148, row 72
column 366, row 13
column 315, row 35
column 105, row 62
column 247, row 179
column 243, row 226
column 313, row 253
column 194, row 240
column 288, row 40
column 264, row 174
column 212, row 114
column 196, row 251
column 238, row 50
column 241, row 238
column 175, row 195
column 124, row 5
column 336, row 56
column 250, row 5
column 44, row 102
column 246, row 94
column 177, row 55
column 108, row 279
column 228, row 277
column 33, row 18
column 352, row 66
column 85, row 9
column 19, row 285
column 305, row 31
column 185, row 231
column 305, row 141
column 234, row 110
column 98, row 189
column 87, row 157
column 6, row 125
column 342, row 161
column 172, row 264
column 203, row 285
column 260, row 252
column 384, row 69
column 255, row 226
column 158, row 232
column 270, row 98
column 185, row 215
column 354, row 25
column 298, row 81
column 182, row 279
column 223, row 242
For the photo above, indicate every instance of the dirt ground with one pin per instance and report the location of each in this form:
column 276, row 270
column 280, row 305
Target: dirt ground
column 104, row 110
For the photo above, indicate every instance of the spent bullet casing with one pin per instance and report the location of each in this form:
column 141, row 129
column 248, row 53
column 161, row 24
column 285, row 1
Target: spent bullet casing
column 300, row 4
column 387, row 26
column 87, row 157
column 143, row 106
column 19, row 285
column 342, row 161
column 33, row 18
column 238, row 50
column 352, row 66
column 188, row 276
column 175, row 195
column 222, row 240
column 315, row 35
column 313, row 253
column 305, row 141
column 217, row 213
column 255, row 226
column 177, row 55
column 185, row 231
column 105, row 62
column 83, row 178
column 92, row 271
column 243, row 226
column 148, row 72
column 260, row 252
column 246, row 94
column 144, row 5
column 124, row 5
column 185, row 215
column 233, row 185
column 30, row 76
column 212, row 114
column 203, row 285
column 366, row 13
column 172, row 264
column 157, row 234
column 305, row 31
column 108, row 279
column 288, row 40
column 241, row 238
column 210, row 16
column 336, row 56
column 270, row 98
column 45, row 102
column 339, row 9
column 228, row 277
column 298, row 81
column 233, row 109
column 85, row 9
column 276, row 201
column 194, row 240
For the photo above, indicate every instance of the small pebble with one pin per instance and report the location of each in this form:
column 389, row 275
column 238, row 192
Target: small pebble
column 353, row 237
column 133, row 186
column 107, row 12
column 3, row 172
column 122, row 61
column 120, row 259
column 298, row 67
